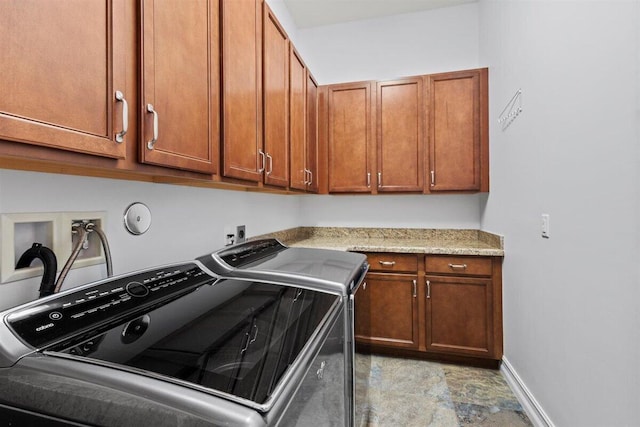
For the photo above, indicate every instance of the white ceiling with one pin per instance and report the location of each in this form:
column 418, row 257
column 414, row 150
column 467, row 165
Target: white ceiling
column 314, row 13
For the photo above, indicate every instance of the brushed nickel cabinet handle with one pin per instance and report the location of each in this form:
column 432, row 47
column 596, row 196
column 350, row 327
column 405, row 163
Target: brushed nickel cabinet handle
column 415, row 289
column 387, row 263
column 379, row 179
column 433, row 178
column 264, row 161
column 310, row 177
column 270, row 164
column 125, row 117
column 369, row 179
column 428, row 289
column 151, row 144
column 458, row 266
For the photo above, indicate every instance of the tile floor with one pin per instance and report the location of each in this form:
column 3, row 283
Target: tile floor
column 404, row 392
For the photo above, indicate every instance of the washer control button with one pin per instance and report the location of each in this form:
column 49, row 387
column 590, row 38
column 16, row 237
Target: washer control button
column 55, row 315
column 137, row 289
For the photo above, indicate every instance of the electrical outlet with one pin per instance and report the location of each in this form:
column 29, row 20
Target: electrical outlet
column 241, row 234
column 229, row 235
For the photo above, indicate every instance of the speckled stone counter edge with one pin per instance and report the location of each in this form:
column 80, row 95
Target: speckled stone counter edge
column 411, row 240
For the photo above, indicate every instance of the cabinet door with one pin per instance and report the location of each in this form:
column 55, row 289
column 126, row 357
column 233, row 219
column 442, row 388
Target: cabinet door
column 349, row 138
column 387, row 311
column 312, row 133
column 298, row 121
column 276, row 101
column 62, row 63
column 242, row 88
column 400, row 135
column 455, row 131
column 459, row 315
column 180, row 81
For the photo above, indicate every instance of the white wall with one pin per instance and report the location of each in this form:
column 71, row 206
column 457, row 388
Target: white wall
column 419, row 211
column 401, row 45
column 571, row 302
column 284, row 17
column 186, row 222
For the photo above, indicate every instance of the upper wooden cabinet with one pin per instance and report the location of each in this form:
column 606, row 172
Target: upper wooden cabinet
column 303, row 128
column 400, row 135
column 241, row 22
column 349, row 137
column 458, row 131
column 62, row 65
column 311, row 146
column 255, row 67
column 276, row 101
column 180, row 84
column 298, row 121
column 431, row 134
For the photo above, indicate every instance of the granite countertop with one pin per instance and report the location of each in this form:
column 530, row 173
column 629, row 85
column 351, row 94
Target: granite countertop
column 400, row 240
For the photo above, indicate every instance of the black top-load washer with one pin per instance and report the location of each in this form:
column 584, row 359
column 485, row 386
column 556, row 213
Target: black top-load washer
column 257, row 334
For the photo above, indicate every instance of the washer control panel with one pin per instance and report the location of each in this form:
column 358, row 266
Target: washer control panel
column 66, row 314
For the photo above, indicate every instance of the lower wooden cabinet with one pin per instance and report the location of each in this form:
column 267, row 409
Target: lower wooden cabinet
column 434, row 305
column 458, row 315
column 387, row 310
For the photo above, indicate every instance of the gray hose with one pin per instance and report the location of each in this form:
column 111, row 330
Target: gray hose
column 105, row 246
column 82, row 233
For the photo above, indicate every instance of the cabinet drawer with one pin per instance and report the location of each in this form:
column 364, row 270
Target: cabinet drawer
column 393, row 262
column 473, row 266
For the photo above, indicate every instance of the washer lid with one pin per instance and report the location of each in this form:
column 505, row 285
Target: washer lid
column 269, row 260
column 234, row 338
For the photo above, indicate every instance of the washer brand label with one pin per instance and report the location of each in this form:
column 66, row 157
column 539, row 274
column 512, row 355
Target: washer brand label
column 43, row 327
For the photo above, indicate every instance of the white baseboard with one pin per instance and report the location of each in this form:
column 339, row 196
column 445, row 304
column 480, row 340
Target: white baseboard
column 529, row 403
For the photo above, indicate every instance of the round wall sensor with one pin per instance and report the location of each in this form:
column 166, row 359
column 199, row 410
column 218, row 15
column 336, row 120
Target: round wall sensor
column 137, row 218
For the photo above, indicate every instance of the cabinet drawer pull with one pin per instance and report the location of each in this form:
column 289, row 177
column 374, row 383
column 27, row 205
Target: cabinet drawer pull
column 387, row 263
column 415, row 289
column 153, row 140
column 368, row 179
column 428, row 289
column 379, row 179
column 310, row 178
column 125, row 117
column 458, row 266
column 433, row 178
